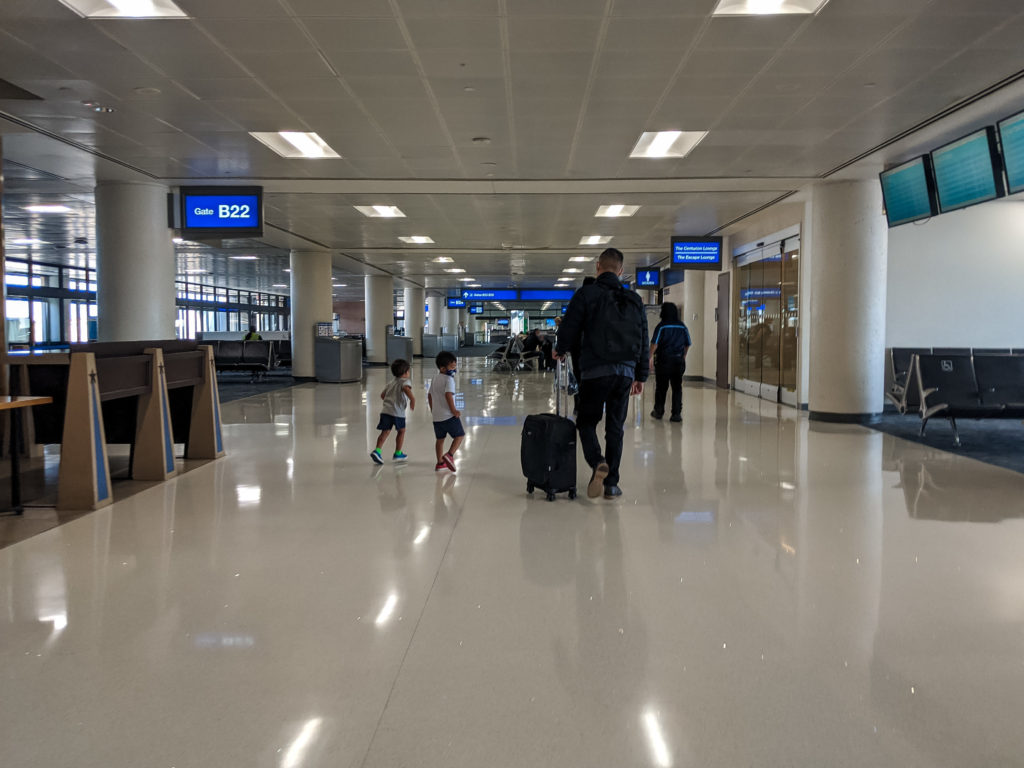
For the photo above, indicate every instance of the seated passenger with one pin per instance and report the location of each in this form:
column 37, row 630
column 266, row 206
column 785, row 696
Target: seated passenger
column 252, row 335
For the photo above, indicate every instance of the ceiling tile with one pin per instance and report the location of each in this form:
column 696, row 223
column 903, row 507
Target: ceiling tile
column 373, row 64
column 467, row 63
column 446, row 32
column 271, row 64
column 334, row 35
column 728, row 32
column 232, row 9
column 348, row 8
column 258, row 34
column 549, row 34
column 433, row 8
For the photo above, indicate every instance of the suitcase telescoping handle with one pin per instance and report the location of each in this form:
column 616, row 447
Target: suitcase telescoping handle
column 562, row 371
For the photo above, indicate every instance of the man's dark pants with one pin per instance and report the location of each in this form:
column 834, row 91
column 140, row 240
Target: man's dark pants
column 610, row 394
column 669, row 372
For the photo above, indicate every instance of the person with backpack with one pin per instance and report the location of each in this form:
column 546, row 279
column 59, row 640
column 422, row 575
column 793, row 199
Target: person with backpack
column 669, row 346
column 608, row 325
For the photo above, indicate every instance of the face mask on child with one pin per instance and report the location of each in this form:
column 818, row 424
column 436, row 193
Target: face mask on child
column 450, row 372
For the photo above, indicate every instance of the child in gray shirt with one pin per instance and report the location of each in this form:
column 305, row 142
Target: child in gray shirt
column 396, row 396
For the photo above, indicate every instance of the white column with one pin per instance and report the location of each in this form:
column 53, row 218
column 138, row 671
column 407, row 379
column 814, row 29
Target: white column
column 311, row 304
column 380, row 313
column 414, row 318
column 692, row 314
column 134, row 262
column 436, row 319
column 847, row 314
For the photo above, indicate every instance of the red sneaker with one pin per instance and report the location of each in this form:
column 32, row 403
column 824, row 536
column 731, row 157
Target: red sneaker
column 448, row 461
column 439, row 466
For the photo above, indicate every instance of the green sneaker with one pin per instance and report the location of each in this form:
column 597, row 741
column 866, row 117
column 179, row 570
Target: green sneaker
column 375, row 455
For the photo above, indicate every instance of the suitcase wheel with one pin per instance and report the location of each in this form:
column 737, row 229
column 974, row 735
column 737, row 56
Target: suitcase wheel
column 572, row 493
column 551, row 496
column 529, row 487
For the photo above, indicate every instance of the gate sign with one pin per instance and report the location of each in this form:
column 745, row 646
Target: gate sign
column 221, row 212
column 456, row 303
column 648, row 278
column 499, row 295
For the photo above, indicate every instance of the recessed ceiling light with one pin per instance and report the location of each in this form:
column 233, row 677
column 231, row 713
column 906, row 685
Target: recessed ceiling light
column 244, row 258
column 443, row 260
column 657, row 144
column 595, row 240
column 566, row 279
column 287, row 270
column 295, row 144
column 416, row 239
column 47, row 209
column 279, row 285
column 766, row 7
column 581, row 258
column 473, row 285
column 572, row 270
column 380, row 211
column 454, row 270
column 466, row 279
column 340, row 285
column 126, row 9
column 26, row 241
column 617, row 210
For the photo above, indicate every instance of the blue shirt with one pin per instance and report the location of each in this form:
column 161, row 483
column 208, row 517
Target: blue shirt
column 673, row 339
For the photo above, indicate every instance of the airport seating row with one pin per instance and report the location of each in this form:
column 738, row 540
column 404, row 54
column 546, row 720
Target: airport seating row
column 972, row 383
column 254, row 356
column 146, row 394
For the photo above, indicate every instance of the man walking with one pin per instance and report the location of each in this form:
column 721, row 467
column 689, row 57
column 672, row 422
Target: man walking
column 608, row 325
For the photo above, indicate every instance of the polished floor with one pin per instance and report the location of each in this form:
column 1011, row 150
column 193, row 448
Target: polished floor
column 767, row 592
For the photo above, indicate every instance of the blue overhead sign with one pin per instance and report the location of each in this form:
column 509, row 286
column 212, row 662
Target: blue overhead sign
column 456, row 303
column 476, row 310
column 546, row 295
column 503, row 294
column 224, row 211
column 648, row 278
column 697, row 252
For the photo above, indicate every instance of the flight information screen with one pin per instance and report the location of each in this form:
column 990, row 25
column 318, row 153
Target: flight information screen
column 1011, row 133
column 966, row 171
column 909, row 192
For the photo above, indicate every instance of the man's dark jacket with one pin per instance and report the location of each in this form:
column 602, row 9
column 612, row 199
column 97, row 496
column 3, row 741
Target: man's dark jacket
column 584, row 312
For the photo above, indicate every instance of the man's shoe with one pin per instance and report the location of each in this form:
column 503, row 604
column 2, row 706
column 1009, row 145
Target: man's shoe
column 597, row 480
column 656, row 415
column 676, row 419
column 612, row 491
column 376, row 457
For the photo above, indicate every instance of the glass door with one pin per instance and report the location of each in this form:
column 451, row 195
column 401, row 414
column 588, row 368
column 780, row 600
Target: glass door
column 766, row 317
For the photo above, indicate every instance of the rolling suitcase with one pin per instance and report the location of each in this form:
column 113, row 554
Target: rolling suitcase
column 548, row 452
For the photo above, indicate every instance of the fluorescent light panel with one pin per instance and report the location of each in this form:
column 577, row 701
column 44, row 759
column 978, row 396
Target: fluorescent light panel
column 767, row 7
column 295, row 144
column 617, row 210
column 595, row 239
column 443, row 259
column 455, row 271
column 47, row 209
column 580, row 259
column 380, row 211
column 416, row 239
column 244, row 258
column 659, row 144
column 126, row 9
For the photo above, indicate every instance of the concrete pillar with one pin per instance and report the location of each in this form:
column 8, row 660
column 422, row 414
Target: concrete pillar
column 848, row 284
column 380, row 313
column 311, row 304
column 134, row 262
column 436, row 319
column 451, row 322
column 692, row 313
column 415, row 318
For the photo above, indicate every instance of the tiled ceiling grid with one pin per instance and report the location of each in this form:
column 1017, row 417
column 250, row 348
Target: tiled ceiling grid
column 561, row 90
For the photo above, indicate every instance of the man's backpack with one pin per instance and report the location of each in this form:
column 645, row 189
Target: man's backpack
column 617, row 330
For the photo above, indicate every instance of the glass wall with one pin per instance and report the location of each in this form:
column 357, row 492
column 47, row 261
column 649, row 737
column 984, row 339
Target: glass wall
column 767, row 321
column 50, row 306
column 206, row 308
